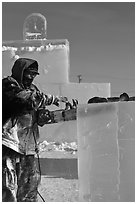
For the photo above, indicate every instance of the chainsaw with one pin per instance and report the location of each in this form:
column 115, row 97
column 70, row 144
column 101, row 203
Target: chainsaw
column 44, row 116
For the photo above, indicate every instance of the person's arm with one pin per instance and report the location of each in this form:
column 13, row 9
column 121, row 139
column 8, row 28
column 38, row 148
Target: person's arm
column 55, row 100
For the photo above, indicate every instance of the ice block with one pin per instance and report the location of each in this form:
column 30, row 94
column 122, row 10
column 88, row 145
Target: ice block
column 106, row 152
column 126, row 142
column 52, row 56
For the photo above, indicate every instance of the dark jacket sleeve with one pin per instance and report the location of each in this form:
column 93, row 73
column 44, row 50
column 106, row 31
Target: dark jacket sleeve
column 12, row 105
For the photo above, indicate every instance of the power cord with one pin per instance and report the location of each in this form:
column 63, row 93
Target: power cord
column 36, row 150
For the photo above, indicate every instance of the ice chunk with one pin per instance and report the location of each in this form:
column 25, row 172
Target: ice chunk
column 106, row 152
column 52, row 56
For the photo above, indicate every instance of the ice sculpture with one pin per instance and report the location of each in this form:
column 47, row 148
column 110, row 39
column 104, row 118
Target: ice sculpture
column 106, row 152
column 35, row 27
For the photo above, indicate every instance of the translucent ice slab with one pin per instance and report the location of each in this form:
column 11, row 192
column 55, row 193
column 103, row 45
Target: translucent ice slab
column 52, row 56
column 106, row 152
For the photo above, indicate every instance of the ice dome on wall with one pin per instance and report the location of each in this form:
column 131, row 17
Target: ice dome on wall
column 35, row 27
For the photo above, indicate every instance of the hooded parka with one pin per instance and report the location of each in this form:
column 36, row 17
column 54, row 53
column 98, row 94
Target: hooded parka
column 20, row 106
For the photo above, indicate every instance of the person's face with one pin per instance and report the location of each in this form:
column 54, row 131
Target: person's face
column 28, row 78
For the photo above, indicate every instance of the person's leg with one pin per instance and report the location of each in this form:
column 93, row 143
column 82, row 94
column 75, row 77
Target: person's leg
column 28, row 179
column 9, row 178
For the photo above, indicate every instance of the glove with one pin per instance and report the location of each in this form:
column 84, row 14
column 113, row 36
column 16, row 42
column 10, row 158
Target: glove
column 72, row 105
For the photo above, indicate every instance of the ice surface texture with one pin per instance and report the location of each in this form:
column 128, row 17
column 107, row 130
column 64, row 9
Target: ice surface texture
column 106, row 152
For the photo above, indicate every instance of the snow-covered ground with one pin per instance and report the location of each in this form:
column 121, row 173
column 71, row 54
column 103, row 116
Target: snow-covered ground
column 57, row 149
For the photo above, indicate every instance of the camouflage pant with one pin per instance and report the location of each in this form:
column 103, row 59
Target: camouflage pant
column 20, row 178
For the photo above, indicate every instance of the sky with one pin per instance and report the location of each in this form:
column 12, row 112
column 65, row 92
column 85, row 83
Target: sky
column 101, row 36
